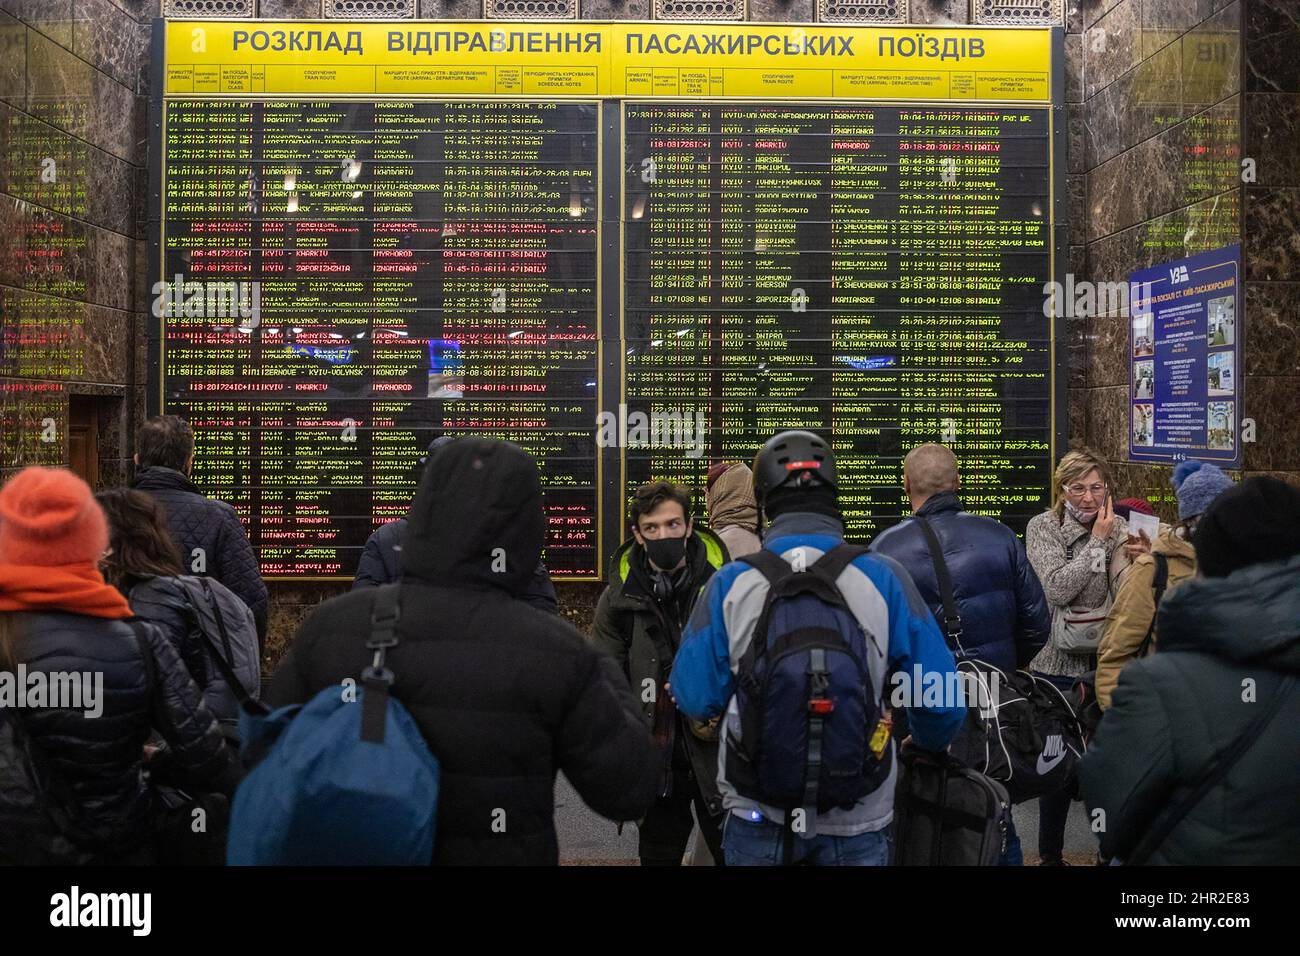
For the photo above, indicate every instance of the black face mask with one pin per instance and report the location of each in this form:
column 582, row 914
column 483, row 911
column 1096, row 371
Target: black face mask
column 665, row 553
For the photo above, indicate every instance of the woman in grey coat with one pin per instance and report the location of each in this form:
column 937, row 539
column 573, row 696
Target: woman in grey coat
column 1077, row 549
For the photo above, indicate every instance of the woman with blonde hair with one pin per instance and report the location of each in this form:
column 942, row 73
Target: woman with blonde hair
column 1077, row 550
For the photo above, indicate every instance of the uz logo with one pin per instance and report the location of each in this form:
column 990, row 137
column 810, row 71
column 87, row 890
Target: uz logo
column 1178, row 274
column 1053, row 753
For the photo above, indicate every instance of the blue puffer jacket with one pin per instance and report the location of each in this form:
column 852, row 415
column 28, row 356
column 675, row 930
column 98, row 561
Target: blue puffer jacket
column 1005, row 618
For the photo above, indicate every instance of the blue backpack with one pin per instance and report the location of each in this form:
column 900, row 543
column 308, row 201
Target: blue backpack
column 338, row 783
column 808, row 713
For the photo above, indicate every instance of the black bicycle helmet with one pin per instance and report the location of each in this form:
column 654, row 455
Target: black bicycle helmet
column 794, row 459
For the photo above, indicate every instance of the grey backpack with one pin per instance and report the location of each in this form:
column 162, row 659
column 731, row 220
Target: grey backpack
column 225, row 626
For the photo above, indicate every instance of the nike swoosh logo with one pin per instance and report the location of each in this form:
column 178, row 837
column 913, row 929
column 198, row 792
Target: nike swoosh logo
column 1045, row 766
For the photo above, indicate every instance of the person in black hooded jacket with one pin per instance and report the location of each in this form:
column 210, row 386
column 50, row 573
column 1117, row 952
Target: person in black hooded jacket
column 381, row 558
column 208, row 533
column 504, row 694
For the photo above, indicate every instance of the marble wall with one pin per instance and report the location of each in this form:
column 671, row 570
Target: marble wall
column 1158, row 139
column 72, row 159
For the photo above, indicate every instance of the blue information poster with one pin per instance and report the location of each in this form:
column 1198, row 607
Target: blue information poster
column 1184, row 349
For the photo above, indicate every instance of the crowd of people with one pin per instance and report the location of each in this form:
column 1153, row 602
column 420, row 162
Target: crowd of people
column 732, row 698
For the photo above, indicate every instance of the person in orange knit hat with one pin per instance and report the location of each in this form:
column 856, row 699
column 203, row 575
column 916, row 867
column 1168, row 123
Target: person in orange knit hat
column 63, row 627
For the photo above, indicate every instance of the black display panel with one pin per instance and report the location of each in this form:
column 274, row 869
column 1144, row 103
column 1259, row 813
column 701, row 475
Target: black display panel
column 532, row 269
column 392, row 271
column 873, row 273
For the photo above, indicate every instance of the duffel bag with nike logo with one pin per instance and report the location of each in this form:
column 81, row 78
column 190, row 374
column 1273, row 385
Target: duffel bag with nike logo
column 1020, row 729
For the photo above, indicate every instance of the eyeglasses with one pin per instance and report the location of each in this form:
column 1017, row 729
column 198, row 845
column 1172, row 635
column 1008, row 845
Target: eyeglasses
column 1079, row 490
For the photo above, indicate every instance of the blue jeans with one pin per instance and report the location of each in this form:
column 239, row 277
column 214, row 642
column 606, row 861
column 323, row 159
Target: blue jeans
column 1012, row 855
column 762, row 843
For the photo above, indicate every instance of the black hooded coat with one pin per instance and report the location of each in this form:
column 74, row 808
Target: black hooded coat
column 504, row 694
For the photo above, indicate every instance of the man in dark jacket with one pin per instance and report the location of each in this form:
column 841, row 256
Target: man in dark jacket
column 1228, row 653
column 654, row 579
column 504, row 694
column 1005, row 619
column 208, row 533
column 381, row 560
column 1003, row 616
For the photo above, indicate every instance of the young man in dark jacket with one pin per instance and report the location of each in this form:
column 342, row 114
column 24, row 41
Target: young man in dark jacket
column 208, row 533
column 654, row 579
column 1227, row 654
column 1004, row 617
column 381, row 560
column 504, row 694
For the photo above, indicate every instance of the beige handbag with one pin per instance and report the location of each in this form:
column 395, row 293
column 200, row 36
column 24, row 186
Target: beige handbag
column 1078, row 630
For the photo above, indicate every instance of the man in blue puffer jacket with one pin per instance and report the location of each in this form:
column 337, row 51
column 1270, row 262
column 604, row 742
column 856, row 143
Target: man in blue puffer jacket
column 1005, row 619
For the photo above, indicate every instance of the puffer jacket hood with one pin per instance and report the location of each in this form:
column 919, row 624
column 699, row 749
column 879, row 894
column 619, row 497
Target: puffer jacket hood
column 479, row 500
column 731, row 500
column 1251, row 616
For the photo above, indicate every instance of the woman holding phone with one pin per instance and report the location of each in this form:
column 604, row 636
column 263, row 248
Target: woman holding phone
column 1077, row 550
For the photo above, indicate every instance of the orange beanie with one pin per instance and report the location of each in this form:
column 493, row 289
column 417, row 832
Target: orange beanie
column 49, row 517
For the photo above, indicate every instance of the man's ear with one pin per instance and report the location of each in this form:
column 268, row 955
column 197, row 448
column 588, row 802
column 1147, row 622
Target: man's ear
column 690, row 526
column 189, row 464
column 907, row 487
column 636, row 533
column 136, row 460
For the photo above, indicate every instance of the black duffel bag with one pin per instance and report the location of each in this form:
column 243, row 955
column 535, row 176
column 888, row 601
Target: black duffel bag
column 1019, row 729
column 946, row 814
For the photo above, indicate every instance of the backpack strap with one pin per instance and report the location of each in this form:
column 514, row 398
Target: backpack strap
column 832, row 564
column 1218, row 769
column 1158, row 586
column 378, row 679
column 774, row 567
column 216, row 613
column 777, row 571
column 818, row 682
column 951, row 622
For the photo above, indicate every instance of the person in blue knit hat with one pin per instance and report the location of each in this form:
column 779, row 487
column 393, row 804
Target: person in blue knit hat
column 1130, row 625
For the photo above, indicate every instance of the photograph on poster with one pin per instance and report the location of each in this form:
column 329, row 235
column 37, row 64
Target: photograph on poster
column 1220, row 378
column 1144, row 342
column 1222, row 321
column 1143, row 432
column 1219, row 425
column 1144, row 380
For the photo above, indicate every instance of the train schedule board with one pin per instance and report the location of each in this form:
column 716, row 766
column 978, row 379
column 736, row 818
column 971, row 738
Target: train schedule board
column 633, row 249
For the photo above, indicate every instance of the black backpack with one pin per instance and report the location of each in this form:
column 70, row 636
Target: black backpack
column 809, row 715
column 1019, row 729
